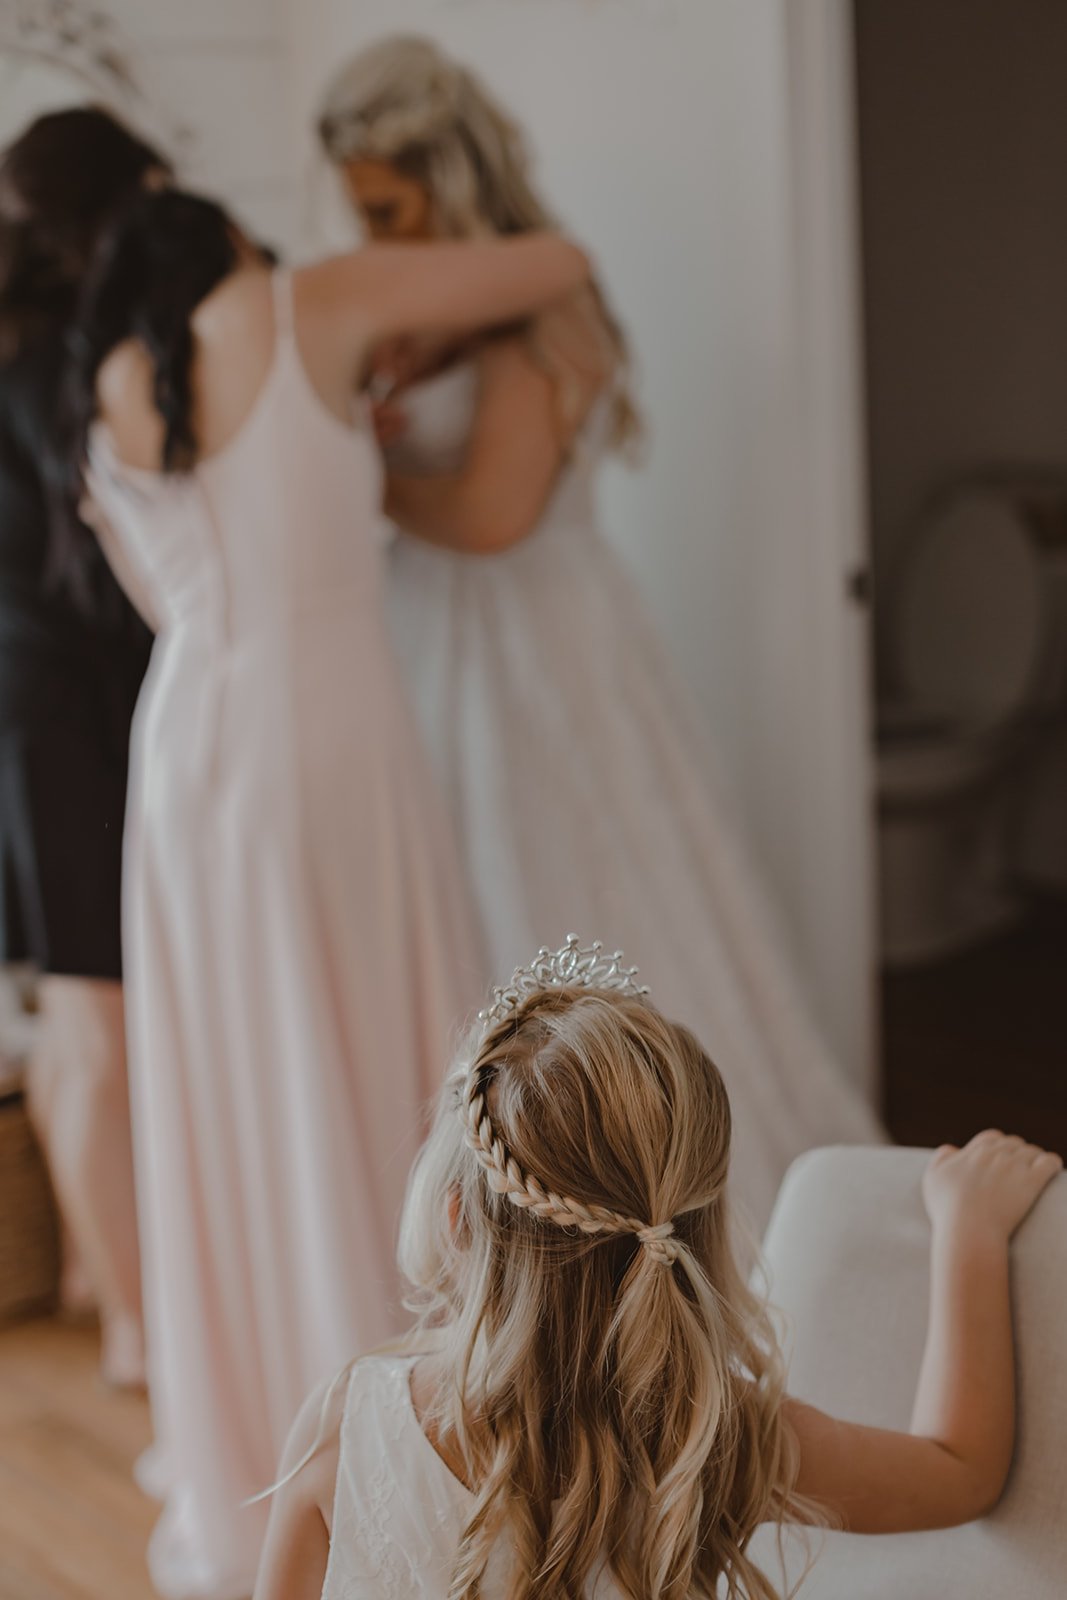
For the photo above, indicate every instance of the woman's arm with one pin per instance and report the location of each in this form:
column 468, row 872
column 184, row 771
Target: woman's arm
column 384, row 291
column 514, row 455
column 952, row 1466
column 297, row 1547
column 531, row 406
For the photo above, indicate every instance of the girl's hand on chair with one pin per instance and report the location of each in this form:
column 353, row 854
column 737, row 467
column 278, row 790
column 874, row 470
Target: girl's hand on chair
column 989, row 1185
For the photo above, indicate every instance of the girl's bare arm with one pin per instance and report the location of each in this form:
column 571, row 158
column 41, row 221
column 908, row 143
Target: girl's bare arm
column 293, row 1562
column 952, row 1466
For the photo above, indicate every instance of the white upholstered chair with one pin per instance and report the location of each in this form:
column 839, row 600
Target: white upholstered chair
column 848, row 1253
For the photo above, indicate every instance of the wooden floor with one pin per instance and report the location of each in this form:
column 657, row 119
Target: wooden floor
column 73, row 1526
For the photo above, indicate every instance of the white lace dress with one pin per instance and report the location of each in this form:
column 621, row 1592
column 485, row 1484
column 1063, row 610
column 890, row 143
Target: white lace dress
column 398, row 1513
column 583, row 796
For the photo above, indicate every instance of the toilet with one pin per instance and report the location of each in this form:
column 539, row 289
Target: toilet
column 976, row 640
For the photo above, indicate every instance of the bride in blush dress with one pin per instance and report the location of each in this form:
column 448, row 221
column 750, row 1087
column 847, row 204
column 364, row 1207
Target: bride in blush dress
column 296, row 931
column 578, row 783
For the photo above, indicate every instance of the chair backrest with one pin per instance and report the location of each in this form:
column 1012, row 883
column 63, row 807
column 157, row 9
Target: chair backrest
column 848, row 1252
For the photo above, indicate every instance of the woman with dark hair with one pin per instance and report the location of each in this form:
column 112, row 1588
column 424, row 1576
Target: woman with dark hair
column 298, row 943
column 72, row 654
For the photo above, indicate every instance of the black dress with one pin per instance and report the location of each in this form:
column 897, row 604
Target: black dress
column 70, row 672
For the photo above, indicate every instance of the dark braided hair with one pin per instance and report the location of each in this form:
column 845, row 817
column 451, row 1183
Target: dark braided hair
column 161, row 256
column 163, row 253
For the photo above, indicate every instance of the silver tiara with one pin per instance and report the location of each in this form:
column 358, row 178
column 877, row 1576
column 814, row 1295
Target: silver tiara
column 573, row 965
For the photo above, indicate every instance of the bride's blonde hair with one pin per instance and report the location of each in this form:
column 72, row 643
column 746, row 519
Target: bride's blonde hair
column 405, row 102
column 610, row 1383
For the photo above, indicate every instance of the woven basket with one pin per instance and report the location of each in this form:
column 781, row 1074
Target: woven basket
column 29, row 1232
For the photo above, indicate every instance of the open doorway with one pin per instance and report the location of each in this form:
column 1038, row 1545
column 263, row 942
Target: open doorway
column 963, row 180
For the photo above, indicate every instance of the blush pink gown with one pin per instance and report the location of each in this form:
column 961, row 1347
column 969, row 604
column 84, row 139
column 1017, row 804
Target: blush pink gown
column 299, row 952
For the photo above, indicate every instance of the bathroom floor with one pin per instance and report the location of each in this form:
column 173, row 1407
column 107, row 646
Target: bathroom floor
column 980, row 1039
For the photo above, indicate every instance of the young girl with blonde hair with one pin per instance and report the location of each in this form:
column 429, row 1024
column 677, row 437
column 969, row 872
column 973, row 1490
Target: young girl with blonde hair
column 593, row 1402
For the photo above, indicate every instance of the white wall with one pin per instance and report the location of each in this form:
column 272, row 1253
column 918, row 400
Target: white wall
column 219, row 69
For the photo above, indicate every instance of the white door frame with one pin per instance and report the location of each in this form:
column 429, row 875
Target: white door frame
column 839, row 827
